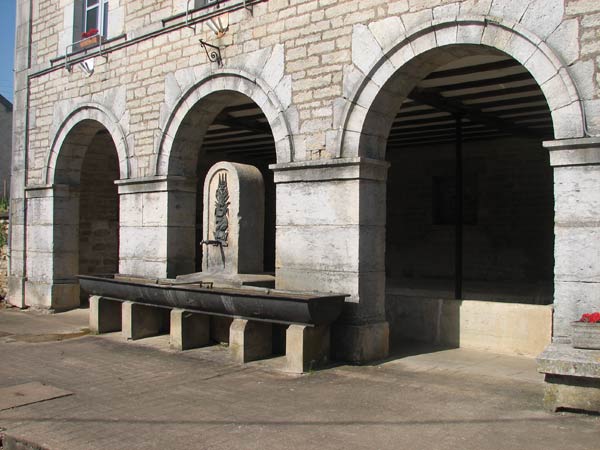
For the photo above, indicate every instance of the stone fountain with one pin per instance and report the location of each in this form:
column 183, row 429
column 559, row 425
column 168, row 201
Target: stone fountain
column 232, row 285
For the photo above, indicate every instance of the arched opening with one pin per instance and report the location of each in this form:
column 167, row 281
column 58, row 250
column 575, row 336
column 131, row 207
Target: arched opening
column 88, row 166
column 227, row 126
column 99, row 208
column 469, row 235
column 240, row 133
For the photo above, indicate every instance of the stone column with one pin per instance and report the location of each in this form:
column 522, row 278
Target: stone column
column 52, row 247
column 576, row 164
column 17, row 256
column 157, row 226
column 331, row 238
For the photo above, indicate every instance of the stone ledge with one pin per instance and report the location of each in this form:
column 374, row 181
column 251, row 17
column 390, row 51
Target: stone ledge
column 161, row 183
column 563, row 144
column 562, row 359
column 574, row 152
column 330, row 169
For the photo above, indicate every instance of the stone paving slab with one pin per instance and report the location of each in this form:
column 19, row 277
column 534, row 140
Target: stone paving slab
column 135, row 396
column 28, row 393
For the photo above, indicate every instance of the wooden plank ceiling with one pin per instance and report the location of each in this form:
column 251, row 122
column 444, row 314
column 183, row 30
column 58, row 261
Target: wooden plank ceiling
column 493, row 94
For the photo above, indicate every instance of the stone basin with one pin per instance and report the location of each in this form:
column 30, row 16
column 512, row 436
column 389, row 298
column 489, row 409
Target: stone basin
column 247, row 302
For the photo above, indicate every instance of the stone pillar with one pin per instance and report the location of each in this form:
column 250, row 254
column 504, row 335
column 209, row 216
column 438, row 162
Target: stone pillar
column 157, row 226
column 572, row 376
column 331, row 238
column 105, row 315
column 52, row 247
column 139, row 321
column 17, row 239
column 189, row 330
column 306, row 348
column 250, row 340
column 576, row 165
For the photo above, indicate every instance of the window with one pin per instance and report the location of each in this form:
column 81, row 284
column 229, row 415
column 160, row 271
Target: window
column 95, row 16
column 201, row 3
column 89, row 15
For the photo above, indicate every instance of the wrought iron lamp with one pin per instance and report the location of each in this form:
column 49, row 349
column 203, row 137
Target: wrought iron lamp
column 218, row 25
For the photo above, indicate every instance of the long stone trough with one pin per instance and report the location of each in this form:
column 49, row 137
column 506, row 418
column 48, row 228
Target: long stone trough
column 138, row 306
column 251, row 303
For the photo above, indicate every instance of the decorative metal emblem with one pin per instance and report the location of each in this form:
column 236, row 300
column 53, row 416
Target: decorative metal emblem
column 221, row 210
column 213, row 52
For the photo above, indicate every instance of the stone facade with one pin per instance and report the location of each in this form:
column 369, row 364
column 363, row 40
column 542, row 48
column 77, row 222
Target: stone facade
column 329, row 75
column 5, row 146
column 3, row 254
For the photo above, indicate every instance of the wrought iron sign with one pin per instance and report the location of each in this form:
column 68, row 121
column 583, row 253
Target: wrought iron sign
column 212, row 52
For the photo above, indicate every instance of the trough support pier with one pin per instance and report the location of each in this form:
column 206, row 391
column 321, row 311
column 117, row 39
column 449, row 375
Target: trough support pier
column 250, row 340
column 189, row 330
column 140, row 321
column 306, row 347
column 105, row 315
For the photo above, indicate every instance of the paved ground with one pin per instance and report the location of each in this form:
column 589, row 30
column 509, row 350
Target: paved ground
column 144, row 396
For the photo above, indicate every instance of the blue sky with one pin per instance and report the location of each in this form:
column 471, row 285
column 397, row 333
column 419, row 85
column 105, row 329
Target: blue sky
column 7, row 46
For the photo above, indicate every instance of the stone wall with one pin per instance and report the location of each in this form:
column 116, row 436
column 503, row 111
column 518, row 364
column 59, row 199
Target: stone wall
column 508, row 235
column 3, row 255
column 5, row 146
column 324, row 72
column 497, row 327
column 317, row 39
column 99, row 209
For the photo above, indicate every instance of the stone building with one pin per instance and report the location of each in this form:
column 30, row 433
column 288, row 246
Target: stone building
column 6, row 110
column 437, row 160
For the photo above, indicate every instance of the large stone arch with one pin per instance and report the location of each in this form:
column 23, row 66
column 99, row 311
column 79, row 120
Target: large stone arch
column 171, row 158
column 387, row 68
column 54, row 205
column 75, row 134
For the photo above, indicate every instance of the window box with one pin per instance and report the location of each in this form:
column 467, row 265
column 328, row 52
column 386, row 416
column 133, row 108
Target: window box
column 90, row 41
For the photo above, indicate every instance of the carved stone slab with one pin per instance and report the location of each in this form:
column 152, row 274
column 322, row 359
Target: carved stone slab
column 233, row 227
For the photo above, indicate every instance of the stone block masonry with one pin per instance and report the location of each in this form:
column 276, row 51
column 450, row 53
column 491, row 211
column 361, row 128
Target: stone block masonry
column 3, row 254
column 329, row 76
column 318, row 56
column 6, row 117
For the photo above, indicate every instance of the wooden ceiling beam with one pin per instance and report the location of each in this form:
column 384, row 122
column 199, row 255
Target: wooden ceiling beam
column 245, row 142
column 449, row 134
column 421, row 142
column 232, row 149
column 471, row 70
column 238, row 108
column 434, row 128
column 241, row 123
column 529, row 88
column 236, row 136
column 433, row 97
column 486, row 82
column 509, row 102
column 402, row 123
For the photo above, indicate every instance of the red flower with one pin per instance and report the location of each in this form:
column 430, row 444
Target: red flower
column 89, row 33
column 590, row 318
